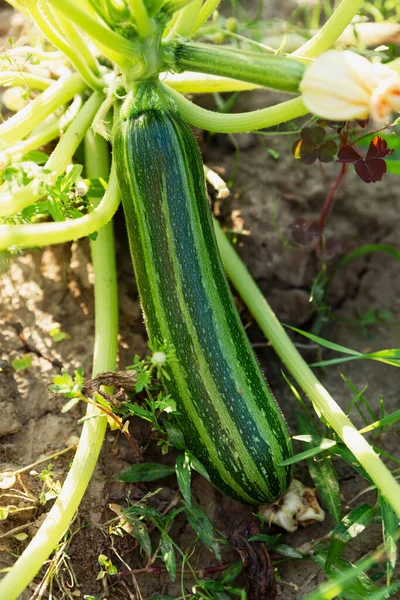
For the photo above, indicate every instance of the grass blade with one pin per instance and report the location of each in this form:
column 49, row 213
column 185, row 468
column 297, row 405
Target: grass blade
column 349, row 527
column 323, row 474
column 145, row 472
column 390, row 528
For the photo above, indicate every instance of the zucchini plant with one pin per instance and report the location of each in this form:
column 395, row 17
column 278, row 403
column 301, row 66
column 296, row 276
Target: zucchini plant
column 124, row 75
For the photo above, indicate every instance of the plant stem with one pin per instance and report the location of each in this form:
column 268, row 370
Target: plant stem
column 25, row 79
column 321, row 399
column 22, row 123
column 196, row 83
column 45, row 134
column 205, row 12
column 238, row 122
column 186, row 20
column 104, row 359
column 36, row 235
column 40, row 14
column 58, row 161
column 333, row 28
column 268, row 70
column 144, row 24
column 117, row 48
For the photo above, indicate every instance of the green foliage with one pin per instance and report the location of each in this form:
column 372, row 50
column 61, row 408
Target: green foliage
column 20, row 364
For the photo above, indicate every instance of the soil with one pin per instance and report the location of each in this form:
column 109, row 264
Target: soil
column 55, row 285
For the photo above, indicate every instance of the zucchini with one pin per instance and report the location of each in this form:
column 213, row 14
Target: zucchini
column 229, row 417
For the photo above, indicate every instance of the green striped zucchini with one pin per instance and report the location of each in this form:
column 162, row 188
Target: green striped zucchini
column 229, row 417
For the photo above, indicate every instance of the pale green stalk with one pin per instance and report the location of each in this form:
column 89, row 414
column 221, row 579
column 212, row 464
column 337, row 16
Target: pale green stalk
column 25, row 120
column 200, row 83
column 117, row 48
column 143, row 22
column 31, row 51
column 40, row 14
column 238, row 122
column 32, row 235
column 93, row 431
column 61, row 157
column 43, row 134
column 323, row 402
column 186, row 21
column 25, row 79
column 206, row 11
column 331, row 30
column 69, row 32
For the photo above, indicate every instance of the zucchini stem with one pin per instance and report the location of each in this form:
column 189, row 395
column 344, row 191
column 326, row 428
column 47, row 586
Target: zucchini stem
column 238, row 122
column 40, row 14
column 323, row 402
column 25, row 79
column 330, row 31
column 22, row 123
column 93, row 431
column 44, row 133
column 117, row 48
column 268, row 70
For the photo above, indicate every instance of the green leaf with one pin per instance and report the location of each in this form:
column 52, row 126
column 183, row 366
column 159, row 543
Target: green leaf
column 175, row 435
column 168, row 554
column 19, row 364
column 231, row 572
column 325, row 343
column 345, row 454
column 349, row 527
column 203, row 527
column 183, row 475
column 323, row 474
column 40, row 158
column 324, row 444
column 197, row 466
column 390, row 525
column 145, row 472
column 140, row 533
column 348, row 580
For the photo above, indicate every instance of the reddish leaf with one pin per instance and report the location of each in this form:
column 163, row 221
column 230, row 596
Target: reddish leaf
column 362, row 122
column 378, row 148
column 371, row 168
column 370, row 171
column 347, row 154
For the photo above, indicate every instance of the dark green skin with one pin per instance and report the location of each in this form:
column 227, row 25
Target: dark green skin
column 229, row 417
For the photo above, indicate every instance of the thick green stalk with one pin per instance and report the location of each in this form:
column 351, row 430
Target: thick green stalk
column 143, row 22
column 44, row 133
column 238, row 122
column 198, row 83
column 205, row 12
column 114, row 46
column 105, row 347
column 37, row 235
column 25, row 79
column 265, row 69
column 185, row 21
column 22, row 123
column 61, row 157
column 320, row 397
column 333, row 28
column 40, row 14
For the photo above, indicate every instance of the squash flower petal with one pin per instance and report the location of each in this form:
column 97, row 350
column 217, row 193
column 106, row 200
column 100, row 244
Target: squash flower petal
column 342, row 85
